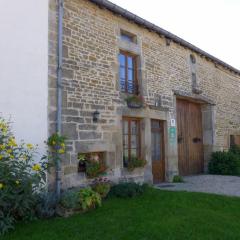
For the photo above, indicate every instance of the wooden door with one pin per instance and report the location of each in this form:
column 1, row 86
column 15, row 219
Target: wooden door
column 190, row 144
column 157, row 147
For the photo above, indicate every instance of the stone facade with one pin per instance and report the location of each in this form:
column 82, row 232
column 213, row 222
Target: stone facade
column 91, row 44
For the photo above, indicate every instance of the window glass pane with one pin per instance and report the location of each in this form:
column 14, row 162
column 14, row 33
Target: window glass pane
column 130, row 75
column 133, row 141
column 126, row 37
column 130, row 62
column 125, row 127
column 133, row 127
column 121, row 59
column 133, row 152
column 125, row 141
column 122, row 72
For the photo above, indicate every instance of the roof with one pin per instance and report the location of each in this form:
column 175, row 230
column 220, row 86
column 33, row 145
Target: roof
column 152, row 27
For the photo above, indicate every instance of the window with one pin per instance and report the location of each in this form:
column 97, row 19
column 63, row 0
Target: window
column 131, row 139
column 126, row 36
column 128, row 73
column 234, row 140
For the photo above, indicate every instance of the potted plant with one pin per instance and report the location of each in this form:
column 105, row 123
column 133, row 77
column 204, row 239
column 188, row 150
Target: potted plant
column 135, row 162
column 82, row 162
column 135, row 101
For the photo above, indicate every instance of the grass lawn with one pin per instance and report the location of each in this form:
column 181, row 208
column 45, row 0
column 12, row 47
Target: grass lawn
column 155, row 215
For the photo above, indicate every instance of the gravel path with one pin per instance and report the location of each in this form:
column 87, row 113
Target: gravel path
column 223, row 185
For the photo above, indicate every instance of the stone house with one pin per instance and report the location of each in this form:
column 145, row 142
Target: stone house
column 191, row 99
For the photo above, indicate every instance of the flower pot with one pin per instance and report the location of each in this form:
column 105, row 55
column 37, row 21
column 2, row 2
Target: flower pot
column 135, row 104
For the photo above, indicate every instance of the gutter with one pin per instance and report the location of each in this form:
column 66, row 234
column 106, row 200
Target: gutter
column 160, row 31
column 59, row 92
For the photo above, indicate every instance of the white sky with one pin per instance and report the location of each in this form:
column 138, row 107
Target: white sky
column 212, row 25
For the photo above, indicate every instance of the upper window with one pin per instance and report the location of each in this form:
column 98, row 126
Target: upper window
column 129, row 37
column 128, row 73
column 131, row 139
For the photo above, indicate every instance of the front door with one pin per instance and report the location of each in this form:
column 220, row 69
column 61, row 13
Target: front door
column 158, row 165
column 190, row 144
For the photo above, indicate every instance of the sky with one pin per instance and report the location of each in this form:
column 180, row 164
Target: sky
column 212, row 25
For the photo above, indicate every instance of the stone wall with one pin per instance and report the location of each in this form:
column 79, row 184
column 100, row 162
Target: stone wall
column 91, row 45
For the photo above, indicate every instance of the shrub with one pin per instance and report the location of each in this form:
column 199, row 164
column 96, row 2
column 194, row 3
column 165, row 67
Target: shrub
column 127, row 189
column 70, row 199
column 225, row 163
column 94, row 169
column 46, row 205
column 101, row 186
column 89, row 199
column 178, row 179
column 135, row 162
column 20, row 179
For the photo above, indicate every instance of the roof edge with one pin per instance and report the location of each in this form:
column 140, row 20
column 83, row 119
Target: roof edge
column 152, row 27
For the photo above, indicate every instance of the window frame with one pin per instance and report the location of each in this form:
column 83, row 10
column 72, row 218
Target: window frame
column 132, row 37
column 135, row 75
column 129, row 134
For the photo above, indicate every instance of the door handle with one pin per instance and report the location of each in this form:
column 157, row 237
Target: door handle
column 180, row 138
column 196, row 140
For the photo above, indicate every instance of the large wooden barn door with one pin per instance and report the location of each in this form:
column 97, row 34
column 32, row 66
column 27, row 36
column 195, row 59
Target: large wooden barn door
column 190, row 144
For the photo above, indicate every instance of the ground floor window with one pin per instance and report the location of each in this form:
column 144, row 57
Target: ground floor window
column 234, row 140
column 131, row 139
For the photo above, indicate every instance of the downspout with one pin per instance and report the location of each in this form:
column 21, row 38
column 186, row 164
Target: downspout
column 59, row 92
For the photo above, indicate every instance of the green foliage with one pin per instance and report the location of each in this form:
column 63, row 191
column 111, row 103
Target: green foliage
column 127, row 189
column 135, row 99
column 70, row 199
column 82, row 157
column 20, row 178
column 56, row 143
column 101, row 186
column 94, row 169
column 225, row 163
column 178, row 179
column 235, row 149
column 46, row 205
column 157, row 215
column 135, row 162
column 89, row 199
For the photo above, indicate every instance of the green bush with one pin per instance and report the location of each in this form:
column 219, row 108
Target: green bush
column 225, row 163
column 89, row 199
column 70, row 199
column 94, row 169
column 127, row 189
column 101, row 186
column 135, row 162
column 21, row 179
column 46, row 205
column 178, row 179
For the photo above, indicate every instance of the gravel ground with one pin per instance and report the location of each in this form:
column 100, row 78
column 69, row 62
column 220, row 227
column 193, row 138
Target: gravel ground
column 223, row 185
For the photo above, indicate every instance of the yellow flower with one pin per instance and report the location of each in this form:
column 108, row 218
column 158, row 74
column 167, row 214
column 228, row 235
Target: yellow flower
column 62, row 144
column 61, row 151
column 53, row 142
column 1, row 157
column 11, row 156
column 9, row 151
column 17, row 182
column 12, row 142
column 36, row 167
column 1, row 185
column 2, row 147
column 29, row 146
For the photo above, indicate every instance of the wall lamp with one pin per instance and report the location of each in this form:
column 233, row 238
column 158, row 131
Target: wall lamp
column 96, row 116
